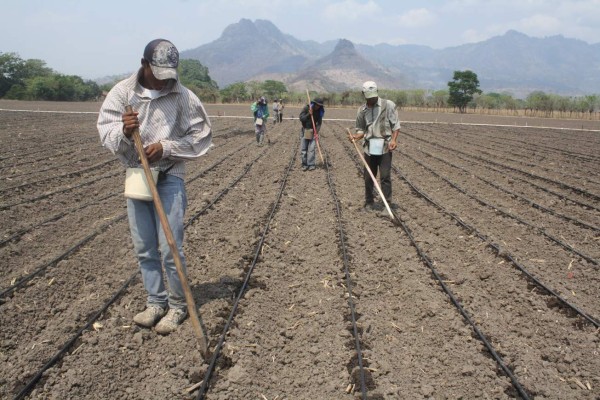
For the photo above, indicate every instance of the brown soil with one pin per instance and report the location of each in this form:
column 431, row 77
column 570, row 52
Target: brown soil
column 292, row 336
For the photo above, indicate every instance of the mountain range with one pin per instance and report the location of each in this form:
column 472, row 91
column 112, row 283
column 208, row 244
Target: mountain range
column 514, row 62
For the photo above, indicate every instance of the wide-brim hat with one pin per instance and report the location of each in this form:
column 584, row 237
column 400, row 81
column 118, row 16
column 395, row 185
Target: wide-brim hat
column 318, row 101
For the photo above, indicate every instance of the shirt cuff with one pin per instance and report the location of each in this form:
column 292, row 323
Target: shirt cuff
column 166, row 149
column 126, row 140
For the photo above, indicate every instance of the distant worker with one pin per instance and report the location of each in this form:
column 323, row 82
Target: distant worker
column 279, row 115
column 260, row 110
column 174, row 127
column 275, row 111
column 307, row 136
column 378, row 124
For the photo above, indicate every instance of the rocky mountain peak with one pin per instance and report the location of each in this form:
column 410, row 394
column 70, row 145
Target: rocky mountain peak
column 344, row 45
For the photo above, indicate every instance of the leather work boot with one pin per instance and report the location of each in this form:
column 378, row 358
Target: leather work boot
column 171, row 321
column 149, row 317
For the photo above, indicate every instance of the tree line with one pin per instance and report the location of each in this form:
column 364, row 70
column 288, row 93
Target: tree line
column 33, row 80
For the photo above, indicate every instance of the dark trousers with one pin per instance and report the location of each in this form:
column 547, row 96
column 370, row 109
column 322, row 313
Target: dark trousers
column 383, row 163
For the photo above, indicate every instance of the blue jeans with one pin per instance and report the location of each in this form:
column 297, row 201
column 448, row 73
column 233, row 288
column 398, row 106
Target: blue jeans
column 149, row 242
column 307, row 150
column 260, row 131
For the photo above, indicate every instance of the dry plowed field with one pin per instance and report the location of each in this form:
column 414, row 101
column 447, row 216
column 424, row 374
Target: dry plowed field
column 485, row 284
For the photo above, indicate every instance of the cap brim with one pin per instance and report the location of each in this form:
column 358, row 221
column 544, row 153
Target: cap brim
column 369, row 94
column 162, row 73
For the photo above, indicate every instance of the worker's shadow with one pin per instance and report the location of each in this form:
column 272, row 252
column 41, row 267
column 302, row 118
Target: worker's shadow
column 226, row 288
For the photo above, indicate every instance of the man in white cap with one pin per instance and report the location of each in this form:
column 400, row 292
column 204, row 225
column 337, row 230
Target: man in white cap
column 174, row 127
column 378, row 124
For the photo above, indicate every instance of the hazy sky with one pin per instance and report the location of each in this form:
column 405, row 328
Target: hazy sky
column 92, row 38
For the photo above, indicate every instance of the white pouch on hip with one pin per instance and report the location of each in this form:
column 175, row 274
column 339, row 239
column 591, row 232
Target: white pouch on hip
column 136, row 185
column 259, row 121
column 376, row 146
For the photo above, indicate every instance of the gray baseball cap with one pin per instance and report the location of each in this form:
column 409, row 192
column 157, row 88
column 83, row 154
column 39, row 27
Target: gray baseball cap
column 163, row 58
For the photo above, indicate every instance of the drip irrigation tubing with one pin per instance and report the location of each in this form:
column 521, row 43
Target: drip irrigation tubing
column 523, row 198
column 67, row 142
column 60, row 257
column 215, row 355
column 60, row 215
column 53, row 218
column 344, row 252
column 516, row 384
column 75, row 247
column 533, row 147
column 505, row 213
column 65, row 175
column 37, row 171
column 559, row 195
column 64, row 190
column 35, row 379
column 463, row 312
column 558, row 183
column 477, row 138
column 479, row 146
column 500, row 252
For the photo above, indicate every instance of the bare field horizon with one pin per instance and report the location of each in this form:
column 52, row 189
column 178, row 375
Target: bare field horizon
column 292, row 111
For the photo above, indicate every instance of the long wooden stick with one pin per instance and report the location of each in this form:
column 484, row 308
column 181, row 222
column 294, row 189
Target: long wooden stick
column 170, row 240
column 372, row 176
column 315, row 129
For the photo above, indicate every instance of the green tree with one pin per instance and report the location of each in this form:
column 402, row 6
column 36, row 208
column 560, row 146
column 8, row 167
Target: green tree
column 439, row 98
column 255, row 89
column 463, row 86
column 14, row 71
column 195, row 75
column 274, row 89
column 235, row 93
column 539, row 101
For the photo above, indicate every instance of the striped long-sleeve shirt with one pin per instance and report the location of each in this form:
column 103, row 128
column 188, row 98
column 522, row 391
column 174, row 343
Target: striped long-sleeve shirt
column 176, row 118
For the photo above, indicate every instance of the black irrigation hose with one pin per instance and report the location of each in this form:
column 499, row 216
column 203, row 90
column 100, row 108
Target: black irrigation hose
column 37, row 171
column 66, row 175
column 507, row 214
column 60, row 215
column 224, row 191
column 478, row 148
column 61, row 257
column 217, row 350
column 67, row 189
column 559, row 195
column 33, row 381
column 523, row 198
column 38, row 270
column 31, row 384
column 465, row 315
column 460, row 308
column 23, row 231
column 558, row 183
column 562, row 152
column 489, row 150
column 343, row 250
column 500, row 252
column 16, row 152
